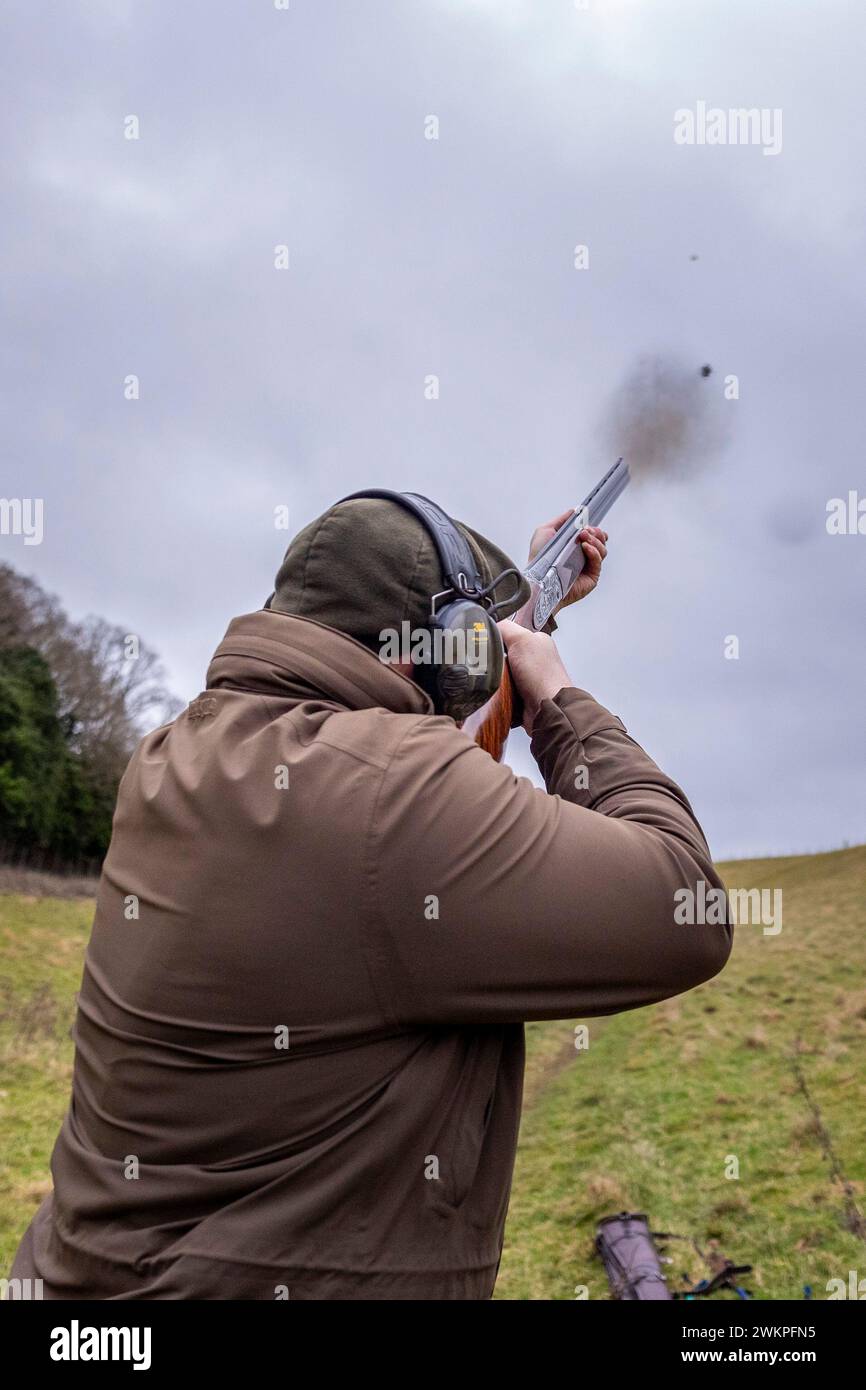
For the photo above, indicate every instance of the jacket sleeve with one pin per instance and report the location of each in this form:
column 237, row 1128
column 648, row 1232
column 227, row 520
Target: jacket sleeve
column 491, row 901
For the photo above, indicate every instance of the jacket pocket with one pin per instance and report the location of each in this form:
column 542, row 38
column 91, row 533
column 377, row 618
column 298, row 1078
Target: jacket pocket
column 459, row 1143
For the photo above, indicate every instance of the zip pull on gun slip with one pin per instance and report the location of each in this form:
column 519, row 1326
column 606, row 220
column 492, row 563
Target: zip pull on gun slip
column 551, row 577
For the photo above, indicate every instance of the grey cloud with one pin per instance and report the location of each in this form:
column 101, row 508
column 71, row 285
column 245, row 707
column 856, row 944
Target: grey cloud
column 455, row 257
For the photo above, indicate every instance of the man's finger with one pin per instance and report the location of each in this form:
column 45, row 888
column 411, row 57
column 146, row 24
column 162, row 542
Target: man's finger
column 509, row 630
column 593, row 541
column 593, row 558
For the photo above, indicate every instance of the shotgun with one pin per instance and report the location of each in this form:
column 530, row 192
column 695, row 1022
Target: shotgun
column 551, row 576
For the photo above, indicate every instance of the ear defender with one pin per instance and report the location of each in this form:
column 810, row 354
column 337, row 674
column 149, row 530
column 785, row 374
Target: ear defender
column 469, row 669
column 466, row 653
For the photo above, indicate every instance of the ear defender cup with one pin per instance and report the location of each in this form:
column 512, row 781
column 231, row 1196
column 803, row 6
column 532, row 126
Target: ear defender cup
column 467, row 669
column 464, row 668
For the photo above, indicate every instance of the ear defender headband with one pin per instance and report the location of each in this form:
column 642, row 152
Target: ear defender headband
column 465, row 650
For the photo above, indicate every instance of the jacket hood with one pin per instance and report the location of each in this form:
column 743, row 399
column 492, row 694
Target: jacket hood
column 280, row 654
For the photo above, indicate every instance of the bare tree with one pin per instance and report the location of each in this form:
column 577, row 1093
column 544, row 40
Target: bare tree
column 110, row 684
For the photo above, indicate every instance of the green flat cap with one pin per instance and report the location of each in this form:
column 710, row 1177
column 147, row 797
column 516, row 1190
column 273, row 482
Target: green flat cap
column 368, row 564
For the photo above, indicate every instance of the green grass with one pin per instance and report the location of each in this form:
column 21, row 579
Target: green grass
column 645, row 1119
column 42, row 944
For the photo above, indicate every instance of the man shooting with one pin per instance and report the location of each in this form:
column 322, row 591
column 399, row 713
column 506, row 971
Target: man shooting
column 323, row 920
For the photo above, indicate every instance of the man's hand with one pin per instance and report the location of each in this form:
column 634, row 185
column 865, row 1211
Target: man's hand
column 594, row 542
column 533, row 659
column 536, row 667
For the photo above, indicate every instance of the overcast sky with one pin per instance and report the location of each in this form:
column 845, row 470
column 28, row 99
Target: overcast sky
column 454, row 256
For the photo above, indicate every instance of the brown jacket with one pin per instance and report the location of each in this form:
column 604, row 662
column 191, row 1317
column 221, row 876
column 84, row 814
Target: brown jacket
column 309, row 856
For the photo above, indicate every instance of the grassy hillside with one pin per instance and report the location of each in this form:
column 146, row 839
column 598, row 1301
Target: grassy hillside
column 645, row 1119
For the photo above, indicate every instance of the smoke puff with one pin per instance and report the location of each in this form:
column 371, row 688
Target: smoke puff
column 665, row 418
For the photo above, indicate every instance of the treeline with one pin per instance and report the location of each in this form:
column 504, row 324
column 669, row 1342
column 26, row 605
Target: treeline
column 74, row 701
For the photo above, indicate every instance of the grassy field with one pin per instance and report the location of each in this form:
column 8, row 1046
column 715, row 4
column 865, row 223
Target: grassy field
column 42, row 944
column 765, row 1065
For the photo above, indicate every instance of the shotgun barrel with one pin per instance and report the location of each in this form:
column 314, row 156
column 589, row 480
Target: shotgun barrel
column 558, row 563
column 551, row 576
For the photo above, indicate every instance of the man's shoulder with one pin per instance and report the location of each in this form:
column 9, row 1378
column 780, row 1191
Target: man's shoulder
column 377, row 735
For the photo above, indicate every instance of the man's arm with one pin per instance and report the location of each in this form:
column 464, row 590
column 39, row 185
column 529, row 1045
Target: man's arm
column 496, row 902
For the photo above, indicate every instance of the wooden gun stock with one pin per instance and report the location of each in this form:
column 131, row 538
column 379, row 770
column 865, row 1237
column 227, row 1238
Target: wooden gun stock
column 496, row 717
column 491, row 725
